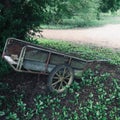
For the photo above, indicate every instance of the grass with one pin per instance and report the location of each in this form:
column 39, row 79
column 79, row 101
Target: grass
column 105, row 18
column 83, row 51
column 109, row 18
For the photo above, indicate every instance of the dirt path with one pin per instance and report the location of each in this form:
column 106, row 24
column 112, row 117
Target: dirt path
column 105, row 36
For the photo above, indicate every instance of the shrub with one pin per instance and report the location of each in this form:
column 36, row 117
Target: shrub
column 17, row 17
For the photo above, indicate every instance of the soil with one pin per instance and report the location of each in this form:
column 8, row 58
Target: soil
column 105, row 36
column 31, row 84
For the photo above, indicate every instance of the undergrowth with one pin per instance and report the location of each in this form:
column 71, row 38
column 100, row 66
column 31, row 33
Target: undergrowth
column 90, row 99
column 96, row 96
column 75, row 22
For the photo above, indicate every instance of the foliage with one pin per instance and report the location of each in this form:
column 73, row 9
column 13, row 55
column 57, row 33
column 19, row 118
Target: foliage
column 87, row 10
column 92, row 98
column 82, row 11
column 111, row 5
column 69, row 23
column 58, row 10
column 17, row 18
column 4, row 68
column 55, row 11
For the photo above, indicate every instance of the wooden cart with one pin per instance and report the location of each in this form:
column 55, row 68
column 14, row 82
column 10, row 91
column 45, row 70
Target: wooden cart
column 26, row 57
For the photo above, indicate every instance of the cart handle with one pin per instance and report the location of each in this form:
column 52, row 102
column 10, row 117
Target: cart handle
column 21, row 57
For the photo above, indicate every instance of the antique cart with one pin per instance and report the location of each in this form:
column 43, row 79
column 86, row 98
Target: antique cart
column 26, row 57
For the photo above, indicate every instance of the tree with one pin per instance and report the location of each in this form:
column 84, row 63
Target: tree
column 56, row 10
column 111, row 5
column 17, row 17
column 87, row 10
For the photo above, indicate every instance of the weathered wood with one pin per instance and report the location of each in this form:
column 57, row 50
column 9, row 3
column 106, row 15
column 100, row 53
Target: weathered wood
column 37, row 66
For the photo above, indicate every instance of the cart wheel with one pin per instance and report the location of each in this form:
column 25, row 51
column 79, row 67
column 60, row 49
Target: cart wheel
column 60, row 78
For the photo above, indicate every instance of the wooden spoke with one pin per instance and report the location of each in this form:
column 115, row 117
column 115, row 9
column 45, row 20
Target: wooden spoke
column 65, row 82
column 64, row 71
column 68, row 76
column 61, row 85
column 58, row 74
column 56, row 82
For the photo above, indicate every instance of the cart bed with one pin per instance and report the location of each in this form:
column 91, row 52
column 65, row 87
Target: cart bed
column 26, row 57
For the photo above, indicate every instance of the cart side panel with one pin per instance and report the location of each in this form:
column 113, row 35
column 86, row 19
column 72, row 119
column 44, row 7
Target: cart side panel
column 37, row 66
column 36, row 55
column 12, row 51
column 77, row 64
column 57, row 59
column 40, row 60
column 14, row 47
column 37, row 60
